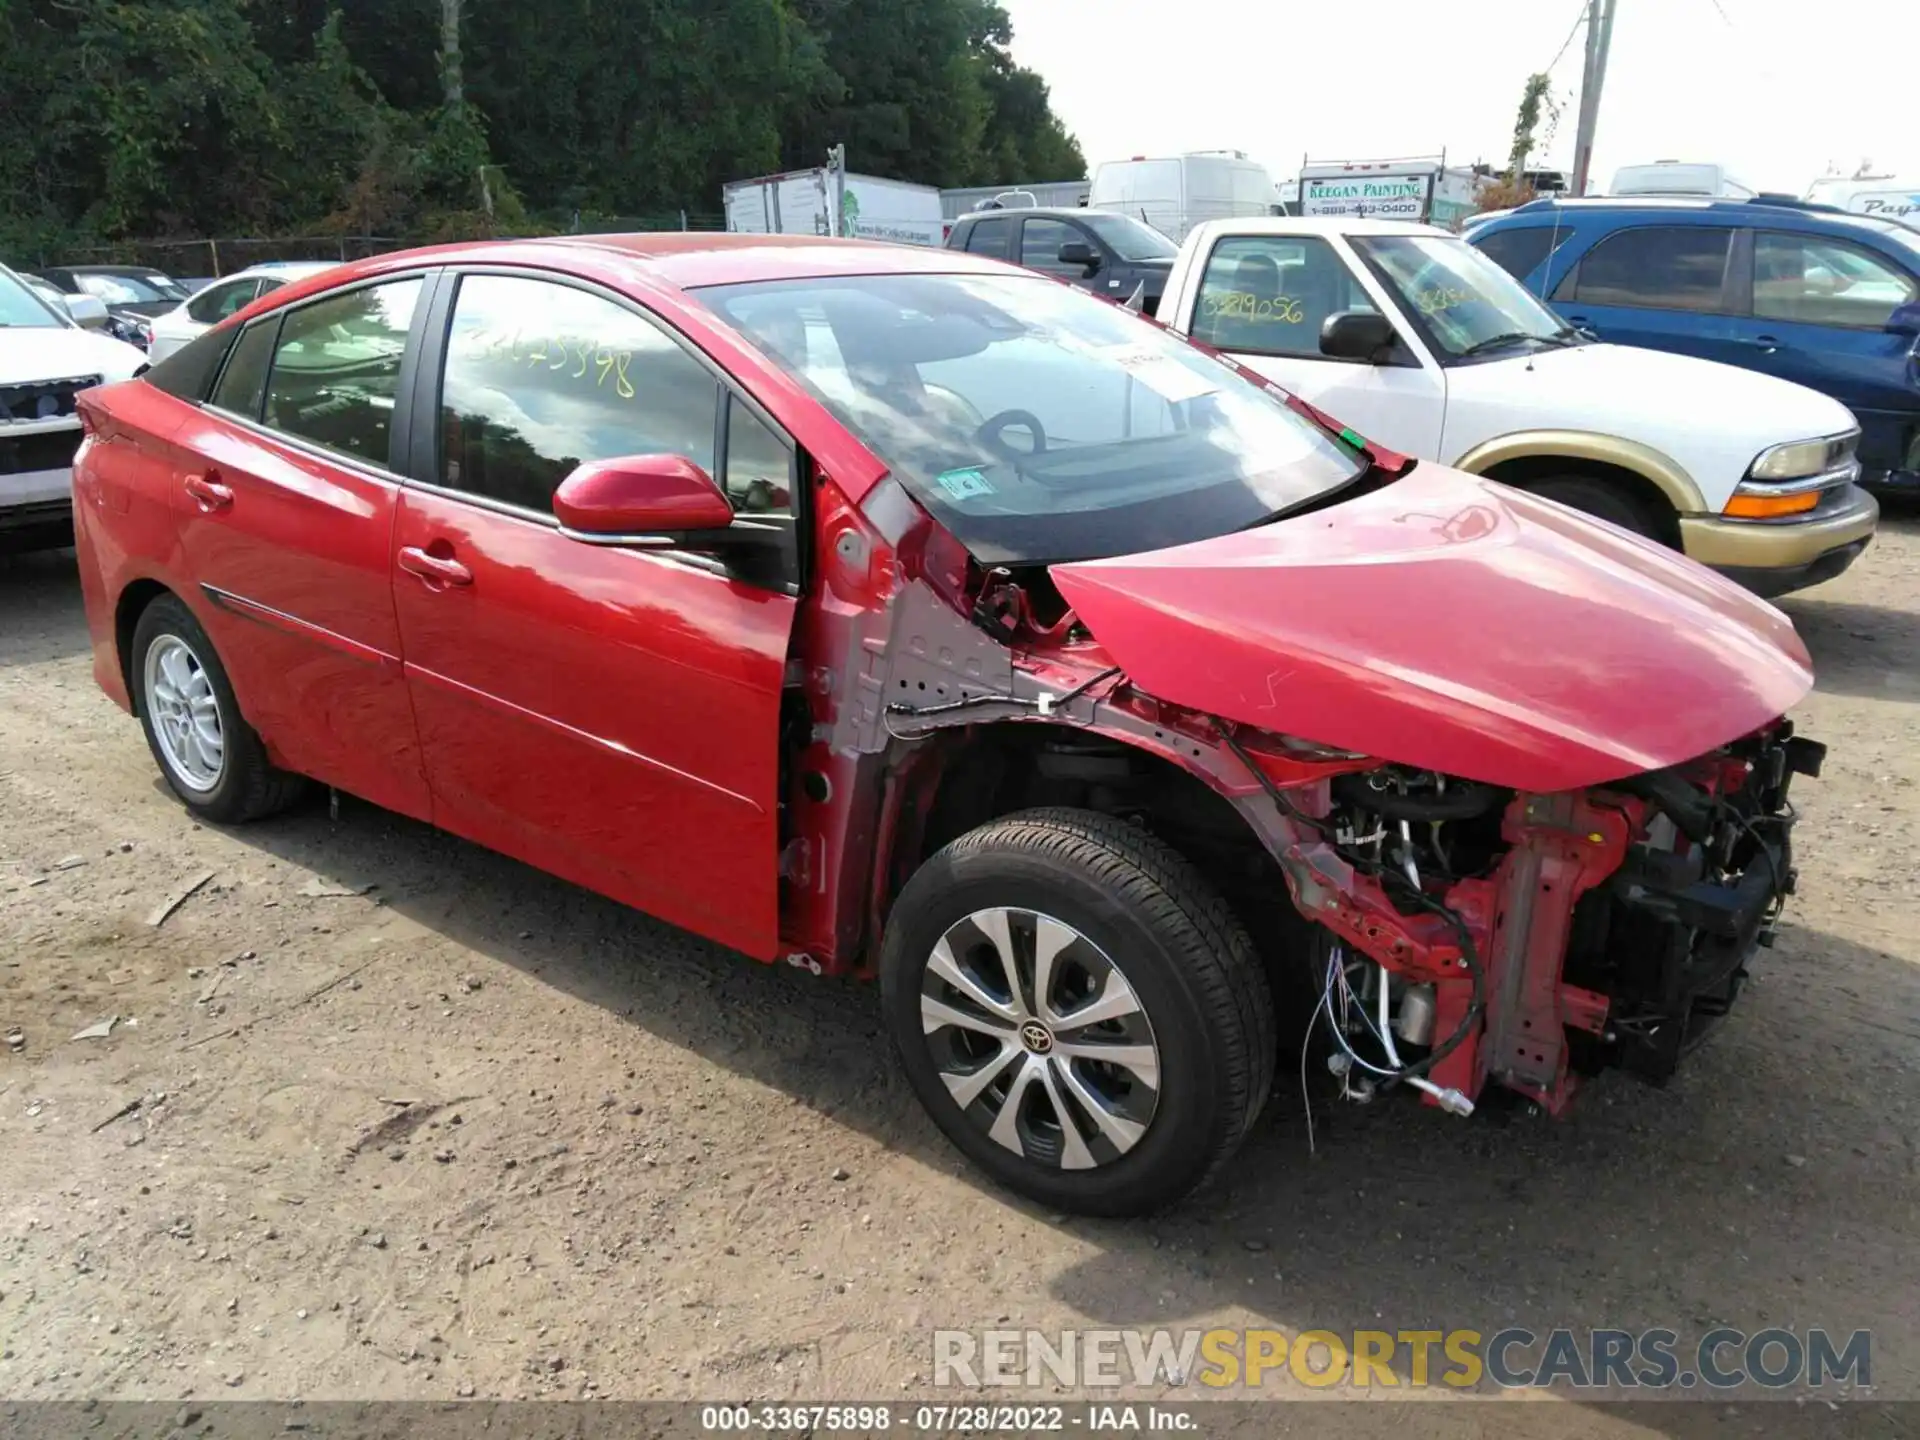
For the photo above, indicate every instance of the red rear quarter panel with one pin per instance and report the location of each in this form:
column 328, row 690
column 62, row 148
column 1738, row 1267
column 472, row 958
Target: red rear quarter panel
column 123, row 519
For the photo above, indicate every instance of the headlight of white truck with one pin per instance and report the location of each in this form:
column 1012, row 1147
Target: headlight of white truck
column 1789, row 479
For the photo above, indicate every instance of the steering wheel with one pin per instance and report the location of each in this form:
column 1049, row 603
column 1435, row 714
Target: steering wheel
column 993, row 433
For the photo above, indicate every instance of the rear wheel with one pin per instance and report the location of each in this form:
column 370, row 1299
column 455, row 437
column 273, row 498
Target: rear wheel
column 1604, row 501
column 1080, row 1013
column 208, row 754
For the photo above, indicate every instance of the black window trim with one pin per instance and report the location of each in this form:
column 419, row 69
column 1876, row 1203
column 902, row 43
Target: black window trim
column 397, row 435
column 1402, row 357
column 422, row 471
column 1845, row 242
column 1730, row 285
column 273, row 320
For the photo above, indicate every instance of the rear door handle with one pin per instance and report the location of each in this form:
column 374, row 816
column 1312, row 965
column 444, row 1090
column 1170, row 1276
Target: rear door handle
column 1765, row 344
column 208, row 493
column 434, row 569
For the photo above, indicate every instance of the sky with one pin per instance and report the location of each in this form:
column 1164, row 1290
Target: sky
column 1776, row 90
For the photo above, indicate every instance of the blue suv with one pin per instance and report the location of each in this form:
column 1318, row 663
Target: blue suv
column 1806, row 292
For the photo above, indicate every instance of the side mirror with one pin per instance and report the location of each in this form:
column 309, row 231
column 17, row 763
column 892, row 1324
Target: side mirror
column 1078, row 252
column 639, row 500
column 1905, row 320
column 1357, row 335
column 88, row 311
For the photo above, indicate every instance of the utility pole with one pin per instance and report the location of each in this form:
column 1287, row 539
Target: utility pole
column 1593, row 78
column 836, row 189
column 452, row 84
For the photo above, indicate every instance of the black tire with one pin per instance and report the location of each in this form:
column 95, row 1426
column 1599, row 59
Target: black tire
column 249, row 787
column 1188, row 960
column 1604, row 501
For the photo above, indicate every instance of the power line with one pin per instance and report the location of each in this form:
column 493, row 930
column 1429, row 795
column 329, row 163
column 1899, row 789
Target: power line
column 1579, row 15
column 1725, row 18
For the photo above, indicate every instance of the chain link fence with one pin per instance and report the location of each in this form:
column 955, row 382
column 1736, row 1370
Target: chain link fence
column 210, row 258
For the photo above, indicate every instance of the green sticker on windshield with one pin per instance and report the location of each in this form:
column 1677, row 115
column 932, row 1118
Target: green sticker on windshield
column 964, row 484
column 1354, row 440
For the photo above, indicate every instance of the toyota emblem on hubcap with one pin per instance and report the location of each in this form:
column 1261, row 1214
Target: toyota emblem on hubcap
column 1036, row 1037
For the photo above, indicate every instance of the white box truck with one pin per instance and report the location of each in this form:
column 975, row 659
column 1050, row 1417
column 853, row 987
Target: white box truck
column 803, row 202
column 1178, row 192
column 1420, row 188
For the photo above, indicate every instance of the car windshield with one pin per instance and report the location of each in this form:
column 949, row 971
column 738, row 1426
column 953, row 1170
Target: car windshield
column 21, row 309
column 1129, row 238
column 1462, row 302
column 1037, row 423
column 129, row 289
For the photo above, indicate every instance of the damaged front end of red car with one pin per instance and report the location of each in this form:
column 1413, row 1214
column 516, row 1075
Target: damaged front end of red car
column 1559, row 825
column 1471, row 934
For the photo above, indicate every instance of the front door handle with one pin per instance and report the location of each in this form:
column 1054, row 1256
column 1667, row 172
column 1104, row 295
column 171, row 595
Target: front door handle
column 434, row 569
column 208, row 493
column 1765, row 344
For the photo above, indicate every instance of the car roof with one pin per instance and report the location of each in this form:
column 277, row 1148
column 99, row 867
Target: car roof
column 136, row 271
column 1050, row 211
column 1767, row 209
column 682, row 260
column 293, row 269
column 1317, row 225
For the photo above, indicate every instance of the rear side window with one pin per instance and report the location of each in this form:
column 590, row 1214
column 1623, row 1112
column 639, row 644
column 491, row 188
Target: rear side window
column 188, row 372
column 540, row 377
column 221, row 299
column 243, row 384
column 991, row 237
column 1657, row 267
column 1270, row 294
column 336, row 369
column 1520, row 252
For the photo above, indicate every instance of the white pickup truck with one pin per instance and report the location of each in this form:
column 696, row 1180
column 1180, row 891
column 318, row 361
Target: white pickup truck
column 1416, row 340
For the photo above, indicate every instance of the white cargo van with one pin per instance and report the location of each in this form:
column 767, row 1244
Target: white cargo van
column 1680, row 177
column 1177, row 193
column 1884, row 196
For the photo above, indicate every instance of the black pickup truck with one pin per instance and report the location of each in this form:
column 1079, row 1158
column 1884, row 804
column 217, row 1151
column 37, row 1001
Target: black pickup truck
column 1098, row 250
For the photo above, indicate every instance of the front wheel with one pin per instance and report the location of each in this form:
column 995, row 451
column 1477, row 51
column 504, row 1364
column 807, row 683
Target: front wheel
column 1080, row 1013
column 1599, row 499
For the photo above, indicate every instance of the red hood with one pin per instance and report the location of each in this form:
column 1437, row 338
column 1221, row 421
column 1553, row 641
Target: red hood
column 1453, row 624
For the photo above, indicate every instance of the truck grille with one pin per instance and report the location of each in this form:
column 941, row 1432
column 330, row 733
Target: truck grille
column 49, row 450
column 41, row 399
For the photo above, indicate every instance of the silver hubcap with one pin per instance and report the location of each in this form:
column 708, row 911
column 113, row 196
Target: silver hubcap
column 1039, row 1039
column 185, row 713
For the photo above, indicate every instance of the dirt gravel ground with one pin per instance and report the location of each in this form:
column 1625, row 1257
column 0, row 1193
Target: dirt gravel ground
column 386, row 1116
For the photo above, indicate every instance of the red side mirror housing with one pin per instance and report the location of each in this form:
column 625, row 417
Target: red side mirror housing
column 636, row 495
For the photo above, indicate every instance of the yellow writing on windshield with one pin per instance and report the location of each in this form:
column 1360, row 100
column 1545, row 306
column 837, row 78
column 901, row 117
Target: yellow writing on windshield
column 1240, row 305
column 1436, row 298
column 588, row 361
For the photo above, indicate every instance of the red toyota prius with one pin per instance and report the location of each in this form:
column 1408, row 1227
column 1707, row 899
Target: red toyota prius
column 898, row 612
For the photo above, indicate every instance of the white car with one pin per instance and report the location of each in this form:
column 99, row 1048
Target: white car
column 45, row 360
column 211, row 304
column 1419, row 342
